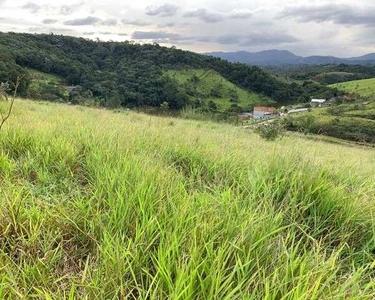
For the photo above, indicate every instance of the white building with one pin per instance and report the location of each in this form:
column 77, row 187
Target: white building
column 317, row 102
column 296, row 111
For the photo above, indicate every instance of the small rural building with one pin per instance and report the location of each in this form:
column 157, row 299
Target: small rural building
column 263, row 112
column 317, row 102
column 297, row 111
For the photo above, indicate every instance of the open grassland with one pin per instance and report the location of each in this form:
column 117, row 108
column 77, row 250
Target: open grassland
column 364, row 87
column 210, row 80
column 104, row 205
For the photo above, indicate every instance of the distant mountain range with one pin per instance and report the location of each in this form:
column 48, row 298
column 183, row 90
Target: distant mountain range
column 285, row 58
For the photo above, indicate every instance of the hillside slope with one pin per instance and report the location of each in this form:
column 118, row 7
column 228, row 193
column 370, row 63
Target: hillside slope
column 325, row 74
column 210, row 85
column 104, row 205
column 364, row 87
column 354, row 122
column 125, row 73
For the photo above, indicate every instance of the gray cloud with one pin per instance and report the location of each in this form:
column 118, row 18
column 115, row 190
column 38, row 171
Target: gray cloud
column 240, row 14
column 165, row 10
column 109, row 22
column 106, row 33
column 88, row 33
column 2, row 2
column 49, row 21
column 204, row 15
column 262, row 38
column 166, row 25
column 337, row 13
column 32, row 7
column 69, row 9
column 256, row 38
column 82, row 22
column 154, row 35
column 136, row 22
column 367, row 35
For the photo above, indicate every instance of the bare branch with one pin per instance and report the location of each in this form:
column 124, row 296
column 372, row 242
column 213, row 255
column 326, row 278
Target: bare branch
column 4, row 118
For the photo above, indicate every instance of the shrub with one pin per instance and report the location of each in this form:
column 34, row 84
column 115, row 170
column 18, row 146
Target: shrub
column 270, row 131
column 113, row 102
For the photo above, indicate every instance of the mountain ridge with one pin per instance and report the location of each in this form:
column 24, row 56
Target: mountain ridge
column 285, row 58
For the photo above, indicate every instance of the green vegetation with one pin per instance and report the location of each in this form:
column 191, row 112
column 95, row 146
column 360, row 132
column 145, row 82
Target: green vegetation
column 46, row 86
column 354, row 122
column 209, row 85
column 365, row 87
column 324, row 74
column 270, row 130
column 126, row 74
column 106, row 205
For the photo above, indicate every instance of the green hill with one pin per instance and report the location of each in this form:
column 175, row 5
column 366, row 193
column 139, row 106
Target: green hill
column 364, row 87
column 127, row 74
column 210, row 85
column 107, row 205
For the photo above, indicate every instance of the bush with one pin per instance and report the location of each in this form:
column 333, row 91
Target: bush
column 270, row 131
column 113, row 102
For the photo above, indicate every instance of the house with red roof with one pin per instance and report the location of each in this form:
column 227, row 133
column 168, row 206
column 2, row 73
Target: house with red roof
column 264, row 112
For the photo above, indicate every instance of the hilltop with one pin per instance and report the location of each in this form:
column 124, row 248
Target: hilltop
column 100, row 204
column 126, row 74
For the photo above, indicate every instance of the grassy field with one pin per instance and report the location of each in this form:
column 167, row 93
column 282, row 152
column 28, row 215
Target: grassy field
column 209, row 79
column 364, row 87
column 45, row 77
column 353, row 122
column 47, row 86
column 105, row 205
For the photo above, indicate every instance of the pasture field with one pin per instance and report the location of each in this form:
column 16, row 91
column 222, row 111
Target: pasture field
column 364, row 87
column 209, row 80
column 99, row 204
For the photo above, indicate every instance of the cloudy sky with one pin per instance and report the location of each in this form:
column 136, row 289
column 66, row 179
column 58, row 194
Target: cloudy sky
column 306, row 27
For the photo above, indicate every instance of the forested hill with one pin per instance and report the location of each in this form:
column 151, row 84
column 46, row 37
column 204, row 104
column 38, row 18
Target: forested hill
column 128, row 73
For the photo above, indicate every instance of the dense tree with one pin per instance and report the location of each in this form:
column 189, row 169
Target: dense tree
column 128, row 73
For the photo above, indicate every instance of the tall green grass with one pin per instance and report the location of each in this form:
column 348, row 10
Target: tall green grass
column 102, row 205
column 364, row 87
